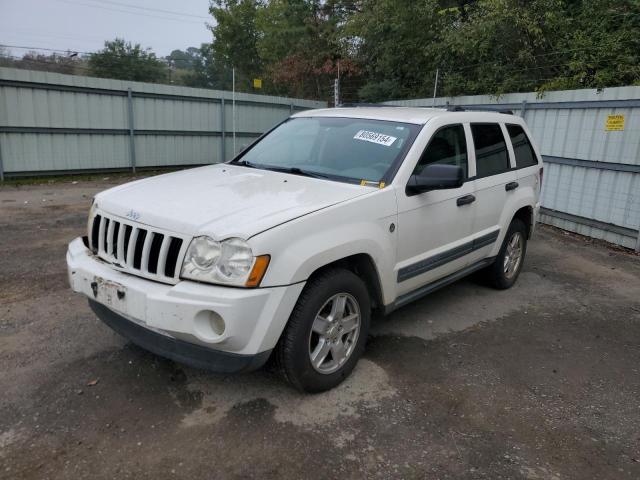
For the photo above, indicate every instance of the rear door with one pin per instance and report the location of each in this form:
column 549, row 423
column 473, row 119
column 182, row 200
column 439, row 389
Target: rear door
column 527, row 163
column 494, row 184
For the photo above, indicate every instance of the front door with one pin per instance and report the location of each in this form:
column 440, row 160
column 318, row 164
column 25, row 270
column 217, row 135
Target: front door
column 435, row 226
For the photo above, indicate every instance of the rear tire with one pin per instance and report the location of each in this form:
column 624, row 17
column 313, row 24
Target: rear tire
column 504, row 271
column 327, row 331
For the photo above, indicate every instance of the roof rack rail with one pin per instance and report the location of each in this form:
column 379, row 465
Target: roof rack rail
column 364, row 105
column 458, row 108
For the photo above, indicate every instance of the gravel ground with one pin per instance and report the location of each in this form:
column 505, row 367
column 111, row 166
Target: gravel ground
column 538, row 382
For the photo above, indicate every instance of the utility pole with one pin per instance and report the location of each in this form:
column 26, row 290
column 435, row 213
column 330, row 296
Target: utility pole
column 435, row 87
column 336, row 88
column 172, row 67
column 233, row 107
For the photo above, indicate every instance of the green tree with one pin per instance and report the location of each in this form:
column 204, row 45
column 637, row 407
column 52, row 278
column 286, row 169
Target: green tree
column 124, row 61
column 300, row 44
column 600, row 49
column 397, row 43
column 293, row 45
column 498, row 46
column 184, row 60
column 70, row 63
column 392, row 48
column 235, row 38
column 205, row 71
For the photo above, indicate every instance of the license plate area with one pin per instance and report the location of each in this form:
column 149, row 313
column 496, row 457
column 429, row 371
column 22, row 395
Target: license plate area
column 110, row 293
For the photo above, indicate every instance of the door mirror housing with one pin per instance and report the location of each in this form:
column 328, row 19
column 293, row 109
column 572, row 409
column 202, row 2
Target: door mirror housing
column 435, row 177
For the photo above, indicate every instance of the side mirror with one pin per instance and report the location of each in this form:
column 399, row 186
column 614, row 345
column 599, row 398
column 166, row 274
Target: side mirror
column 436, row 177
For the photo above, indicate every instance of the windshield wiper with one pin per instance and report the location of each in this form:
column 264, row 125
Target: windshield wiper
column 275, row 168
column 244, row 163
column 296, row 171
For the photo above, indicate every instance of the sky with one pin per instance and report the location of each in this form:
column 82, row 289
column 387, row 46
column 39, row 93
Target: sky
column 84, row 25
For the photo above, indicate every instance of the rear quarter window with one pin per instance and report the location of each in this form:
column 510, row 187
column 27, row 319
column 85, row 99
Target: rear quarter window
column 522, row 148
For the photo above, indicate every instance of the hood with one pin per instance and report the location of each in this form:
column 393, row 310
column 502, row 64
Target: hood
column 223, row 200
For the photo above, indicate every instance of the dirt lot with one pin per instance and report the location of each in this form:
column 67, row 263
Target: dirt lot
column 539, row 382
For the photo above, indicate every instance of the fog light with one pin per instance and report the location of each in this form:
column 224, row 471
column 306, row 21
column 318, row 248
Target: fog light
column 209, row 325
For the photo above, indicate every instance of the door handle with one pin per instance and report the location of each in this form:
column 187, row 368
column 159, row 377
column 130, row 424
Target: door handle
column 467, row 199
column 511, row 186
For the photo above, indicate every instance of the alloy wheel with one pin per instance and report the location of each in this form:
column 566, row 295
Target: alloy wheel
column 513, row 255
column 334, row 333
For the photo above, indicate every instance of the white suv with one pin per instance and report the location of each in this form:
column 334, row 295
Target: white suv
column 288, row 249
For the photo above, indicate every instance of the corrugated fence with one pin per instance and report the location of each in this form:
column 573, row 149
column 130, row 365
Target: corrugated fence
column 590, row 143
column 60, row 123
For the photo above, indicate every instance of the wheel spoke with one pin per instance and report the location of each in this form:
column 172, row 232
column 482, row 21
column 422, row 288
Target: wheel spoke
column 338, row 352
column 320, row 325
column 337, row 308
column 515, row 240
column 320, row 353
column 350, row 322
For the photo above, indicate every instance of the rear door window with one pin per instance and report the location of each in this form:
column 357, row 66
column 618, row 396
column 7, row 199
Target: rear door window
column 491, row 149
column 525, row 155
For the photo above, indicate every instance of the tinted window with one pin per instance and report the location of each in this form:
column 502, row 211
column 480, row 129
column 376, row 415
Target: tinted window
column 525, row 156
column 491, row 149
column 447, row 147
column 341, row 148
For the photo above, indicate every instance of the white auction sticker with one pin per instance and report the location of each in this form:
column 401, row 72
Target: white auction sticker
column 373, row 137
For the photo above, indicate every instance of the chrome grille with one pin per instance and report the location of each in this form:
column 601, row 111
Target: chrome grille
column 138, row 249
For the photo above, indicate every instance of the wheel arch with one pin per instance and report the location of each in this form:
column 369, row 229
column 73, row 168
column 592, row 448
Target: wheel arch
column 362, row 265
column 525, row 214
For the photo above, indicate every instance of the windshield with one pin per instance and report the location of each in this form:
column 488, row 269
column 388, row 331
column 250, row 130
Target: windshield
column 347, row 149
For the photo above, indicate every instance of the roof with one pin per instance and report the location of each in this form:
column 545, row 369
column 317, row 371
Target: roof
column 415, row 115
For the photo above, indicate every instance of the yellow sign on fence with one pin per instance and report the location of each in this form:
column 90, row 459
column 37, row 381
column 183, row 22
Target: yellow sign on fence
column 615, row 123
column 257, row 83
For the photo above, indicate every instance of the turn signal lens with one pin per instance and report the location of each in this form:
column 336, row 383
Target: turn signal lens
column 258, row 271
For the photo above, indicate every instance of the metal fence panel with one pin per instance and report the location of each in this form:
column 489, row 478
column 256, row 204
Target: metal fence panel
column 27, row 107
column 592, row 176
column 57, row 123
column 167, row 151
column 173, row 114
column 47, row 153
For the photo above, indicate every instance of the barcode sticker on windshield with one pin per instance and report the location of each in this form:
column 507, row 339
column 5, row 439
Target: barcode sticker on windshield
column 373, row 137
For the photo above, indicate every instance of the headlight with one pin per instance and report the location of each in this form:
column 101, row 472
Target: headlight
column 230, row 262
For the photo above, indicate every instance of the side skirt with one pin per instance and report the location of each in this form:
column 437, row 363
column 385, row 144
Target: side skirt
column 438, row 284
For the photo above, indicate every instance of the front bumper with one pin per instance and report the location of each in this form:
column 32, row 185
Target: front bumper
column 178, row 321
column 178, row 350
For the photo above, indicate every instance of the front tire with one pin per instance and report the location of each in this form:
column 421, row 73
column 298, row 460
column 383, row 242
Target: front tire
column 327, row 331
column 503, row 273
